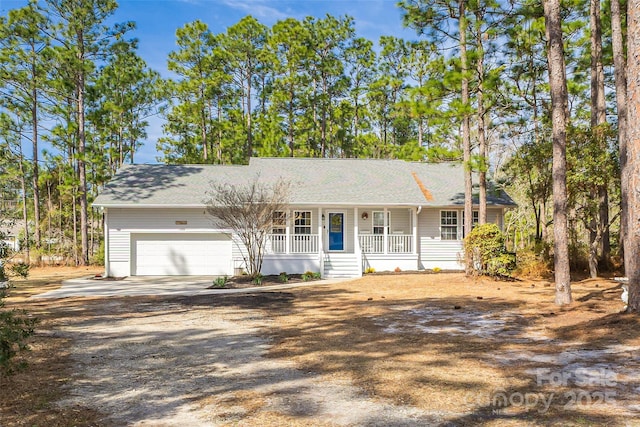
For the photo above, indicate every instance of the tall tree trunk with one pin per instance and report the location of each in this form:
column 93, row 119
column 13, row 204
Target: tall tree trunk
column 598, row 119
column 559, row 100
column 543, row 219
column 620, row 73
column 482, row 140
column 219, row 143
column 323, row 122
column 249, row 125
column 203, row 128
column 466, row 134
column 605, row 242
column 35, row 167
column 120, row 146
column 356, row 120
column 25, row 216
column 49, row 210
column 82, row 170
column 76, row 259
column 291, row 119
column 632, row 167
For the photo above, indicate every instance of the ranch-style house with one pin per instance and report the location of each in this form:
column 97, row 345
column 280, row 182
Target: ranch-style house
column 344, row 216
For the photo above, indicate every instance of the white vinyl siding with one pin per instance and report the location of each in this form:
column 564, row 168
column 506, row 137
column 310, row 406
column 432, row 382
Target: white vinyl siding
column 495, row 216
column 400, row 220
column 435, row 252
column 119, row 245
column 160, row 218
column 348, row 231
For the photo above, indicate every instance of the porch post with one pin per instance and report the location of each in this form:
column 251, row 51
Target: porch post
column 320, row 233
column 414, row 223
column 287, row 233
column 356, row 242
column 385, row 235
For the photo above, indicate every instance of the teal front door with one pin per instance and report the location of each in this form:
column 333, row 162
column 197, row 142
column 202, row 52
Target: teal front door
column 336, row 231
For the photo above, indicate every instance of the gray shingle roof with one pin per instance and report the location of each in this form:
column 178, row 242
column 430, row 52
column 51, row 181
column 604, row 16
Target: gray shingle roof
column 313, row 182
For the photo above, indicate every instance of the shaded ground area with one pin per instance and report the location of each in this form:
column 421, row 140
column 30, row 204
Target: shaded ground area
column 383, row 350
column 481, row 352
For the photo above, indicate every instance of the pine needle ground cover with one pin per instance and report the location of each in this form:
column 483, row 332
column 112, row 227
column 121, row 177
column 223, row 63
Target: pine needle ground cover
column 419, row 349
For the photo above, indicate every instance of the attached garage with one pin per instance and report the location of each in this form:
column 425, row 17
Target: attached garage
column 181, row 254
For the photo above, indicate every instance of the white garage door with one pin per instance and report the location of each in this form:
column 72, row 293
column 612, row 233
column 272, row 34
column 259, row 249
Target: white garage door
column 181, row 254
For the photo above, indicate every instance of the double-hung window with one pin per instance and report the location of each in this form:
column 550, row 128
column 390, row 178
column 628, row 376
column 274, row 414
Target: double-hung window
column 449, row 225
column 279, row 223
column 378, row 222
column 302, row 222
column 474, row 222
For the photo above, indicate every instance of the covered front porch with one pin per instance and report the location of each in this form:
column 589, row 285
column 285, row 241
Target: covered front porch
column 356, row 230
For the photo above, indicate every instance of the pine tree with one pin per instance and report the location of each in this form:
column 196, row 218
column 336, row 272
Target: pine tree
column 559, row 99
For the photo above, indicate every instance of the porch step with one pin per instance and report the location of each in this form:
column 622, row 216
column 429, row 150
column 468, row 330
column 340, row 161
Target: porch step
column 342, row 266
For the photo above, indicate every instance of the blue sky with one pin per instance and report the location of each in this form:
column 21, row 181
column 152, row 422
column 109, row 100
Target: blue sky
column 157, row 21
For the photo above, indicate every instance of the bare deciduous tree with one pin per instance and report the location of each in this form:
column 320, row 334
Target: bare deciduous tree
column 247, row 209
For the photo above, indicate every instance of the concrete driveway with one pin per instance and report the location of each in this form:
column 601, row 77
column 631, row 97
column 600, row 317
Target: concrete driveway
column 158, row 285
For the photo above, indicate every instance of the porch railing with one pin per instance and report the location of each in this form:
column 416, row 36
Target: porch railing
column 278, row 243
column 400, row 243
column 298, row 243
column 372, row 243
column 396, row 243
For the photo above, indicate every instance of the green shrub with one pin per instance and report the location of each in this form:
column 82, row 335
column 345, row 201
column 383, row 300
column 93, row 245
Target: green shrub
column 220, row 282
column 258, row 279
column 15, row 327
column 20, row 269
column 485, row 247
column 501, row 265
column 317, row 275
column 98, row 256
column 283, row 277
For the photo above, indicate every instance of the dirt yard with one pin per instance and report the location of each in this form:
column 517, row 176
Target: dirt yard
column 421, row 349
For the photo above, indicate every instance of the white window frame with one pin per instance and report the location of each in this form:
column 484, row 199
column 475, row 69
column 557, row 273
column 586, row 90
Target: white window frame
column 476, row 219
column 380, row 227
column 449, row 226
column 279, row 222
column 302, row 222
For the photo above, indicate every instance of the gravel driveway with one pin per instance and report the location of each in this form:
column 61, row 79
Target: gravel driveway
column 176, row 362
